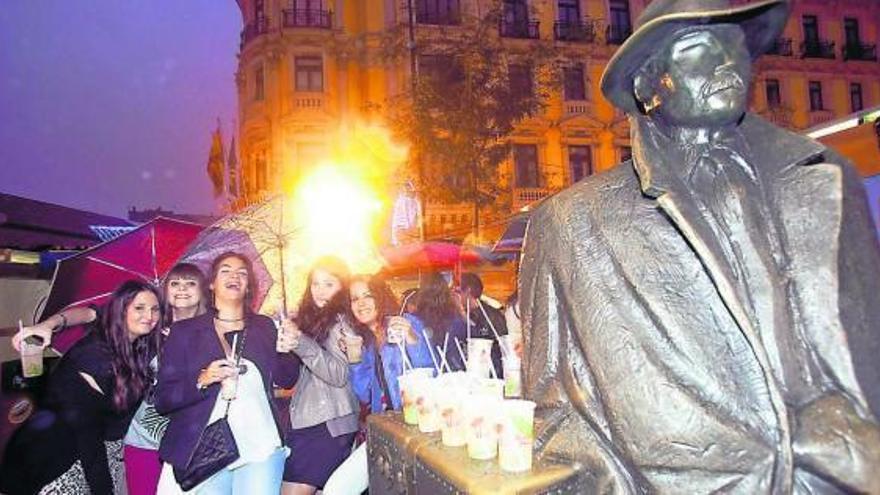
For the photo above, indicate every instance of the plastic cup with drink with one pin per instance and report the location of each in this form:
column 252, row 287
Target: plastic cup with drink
column 229, row 385
column 479, row 357
column 395, row 329
column 409, row 382
column 517, row 435
column 512, row 376
column 451, row 403
column 31, row 354
column 481, row 426
column 354, row 347
column 427, row 393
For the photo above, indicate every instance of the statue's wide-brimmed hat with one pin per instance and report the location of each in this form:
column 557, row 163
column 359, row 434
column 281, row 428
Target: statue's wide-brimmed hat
column 761, row 21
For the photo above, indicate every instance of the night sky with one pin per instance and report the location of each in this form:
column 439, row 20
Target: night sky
column 106, row 104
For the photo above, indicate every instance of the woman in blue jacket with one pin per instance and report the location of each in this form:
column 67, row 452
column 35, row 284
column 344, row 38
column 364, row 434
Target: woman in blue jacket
column 387, row 337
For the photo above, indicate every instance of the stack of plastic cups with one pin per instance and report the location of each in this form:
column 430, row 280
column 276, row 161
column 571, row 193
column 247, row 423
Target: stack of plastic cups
column 452, row 403
column 409, row 382
column 517, row 435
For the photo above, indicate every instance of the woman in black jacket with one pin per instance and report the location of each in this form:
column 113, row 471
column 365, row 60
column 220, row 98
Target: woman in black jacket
column 196, row 360
column 73, row 444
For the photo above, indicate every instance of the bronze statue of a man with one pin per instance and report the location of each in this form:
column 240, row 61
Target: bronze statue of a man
column 705, row 318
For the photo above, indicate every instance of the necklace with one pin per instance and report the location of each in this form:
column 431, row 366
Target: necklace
column 228, row 320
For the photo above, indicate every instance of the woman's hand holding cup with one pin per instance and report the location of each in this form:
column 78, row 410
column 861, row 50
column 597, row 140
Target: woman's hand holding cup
column 399, row 328
column 216, row 372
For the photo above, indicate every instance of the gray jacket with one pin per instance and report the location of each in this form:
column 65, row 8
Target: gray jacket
column 323, row 393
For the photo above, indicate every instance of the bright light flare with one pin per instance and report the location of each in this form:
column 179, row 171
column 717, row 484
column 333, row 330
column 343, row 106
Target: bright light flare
column 339, row 215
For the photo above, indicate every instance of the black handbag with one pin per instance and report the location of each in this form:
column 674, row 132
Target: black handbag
column 215, row 449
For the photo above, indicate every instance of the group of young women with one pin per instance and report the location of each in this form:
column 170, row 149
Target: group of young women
column 135, row 396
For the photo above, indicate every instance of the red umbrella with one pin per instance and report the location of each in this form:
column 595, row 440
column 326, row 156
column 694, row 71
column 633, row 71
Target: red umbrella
column 89, row 277
column 428, row 255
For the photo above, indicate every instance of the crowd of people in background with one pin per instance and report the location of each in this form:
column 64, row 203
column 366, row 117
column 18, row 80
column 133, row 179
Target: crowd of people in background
column 130, row 407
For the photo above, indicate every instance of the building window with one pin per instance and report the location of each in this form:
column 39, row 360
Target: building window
column 816, row 96
column 438, row 12
column 441, row 69
column 259, row 84
column 619, row 27
column 574, row 86
column 309, row 73
column 525, row 162
column 580, row 162
column 811, row 30
column 569, row 11
column 774, row 97
column 851, row 32
column 520, row 80
column 855, row 97
column 626, row 153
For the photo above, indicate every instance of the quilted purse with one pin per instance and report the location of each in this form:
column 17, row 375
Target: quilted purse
column 215, row 449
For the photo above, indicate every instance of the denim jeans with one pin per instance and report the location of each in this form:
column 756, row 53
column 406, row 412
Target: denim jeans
column 257, row 478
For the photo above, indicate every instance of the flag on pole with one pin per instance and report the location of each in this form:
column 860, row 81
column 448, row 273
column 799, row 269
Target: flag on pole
column 234, row 188
column 215, row 162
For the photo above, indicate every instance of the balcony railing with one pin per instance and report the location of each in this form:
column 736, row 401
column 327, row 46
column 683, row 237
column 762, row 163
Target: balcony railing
column 817, row 49
column 450, row 18
column 575, row 107
column 527, row 195
column 307, row 18
column 577, row 31
column 518, row 29
column 859, row 51
column 779, row 115
column 820, row 117
column 616, row 34
column 781, row 47
column 254, row 29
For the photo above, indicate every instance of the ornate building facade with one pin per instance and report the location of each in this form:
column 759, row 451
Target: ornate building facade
column 307, row 66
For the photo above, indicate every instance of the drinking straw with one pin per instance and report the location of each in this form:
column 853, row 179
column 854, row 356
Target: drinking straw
column 430, row 351
column 504, row 349
column 460, row 352
column 406, row 363
column 443, row 361
column 234, row 344
column 467, row 315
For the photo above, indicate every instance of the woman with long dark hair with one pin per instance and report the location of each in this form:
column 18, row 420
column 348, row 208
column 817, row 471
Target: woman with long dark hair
column 234, row 345
column 387, row 337
column 438, row 311
column 73, row 444
column 323, row 411
column 186, row 296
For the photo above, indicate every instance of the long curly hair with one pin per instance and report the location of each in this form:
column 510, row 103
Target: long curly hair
column 186, row 271
column 386, row 305
column 131, row 360
column 314, row 321
column 435, row 305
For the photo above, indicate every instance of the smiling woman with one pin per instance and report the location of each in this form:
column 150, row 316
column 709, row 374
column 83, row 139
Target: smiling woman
column 91, row 397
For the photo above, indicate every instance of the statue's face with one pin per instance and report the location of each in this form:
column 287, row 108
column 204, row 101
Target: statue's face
column 703, row 77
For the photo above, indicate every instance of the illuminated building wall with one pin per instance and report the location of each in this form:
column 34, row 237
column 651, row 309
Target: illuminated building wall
column 308, row 65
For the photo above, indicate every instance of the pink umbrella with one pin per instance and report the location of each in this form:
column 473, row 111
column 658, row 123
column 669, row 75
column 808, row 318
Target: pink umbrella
column 146, row 253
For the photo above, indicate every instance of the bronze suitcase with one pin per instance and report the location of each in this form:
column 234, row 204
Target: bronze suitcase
column 403, row 460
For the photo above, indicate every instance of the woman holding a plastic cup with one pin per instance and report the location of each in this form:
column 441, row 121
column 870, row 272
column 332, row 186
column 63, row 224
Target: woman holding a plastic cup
column 393, row 343
column 72, row 445
column 323, row 411
column 224, row 364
